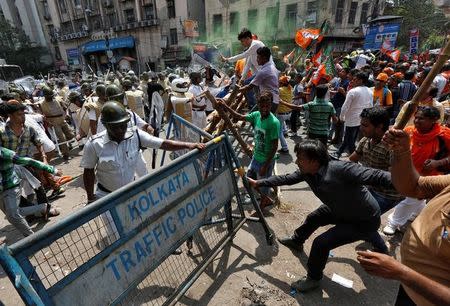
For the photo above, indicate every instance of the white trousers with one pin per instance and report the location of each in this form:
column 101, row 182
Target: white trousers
column 406, row 209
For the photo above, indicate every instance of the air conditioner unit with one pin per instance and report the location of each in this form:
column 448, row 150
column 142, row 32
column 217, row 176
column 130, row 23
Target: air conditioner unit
column 64, row 37
column 71, row 36
column 79, row 34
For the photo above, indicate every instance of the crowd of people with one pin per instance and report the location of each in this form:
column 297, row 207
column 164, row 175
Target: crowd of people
column 351, row 113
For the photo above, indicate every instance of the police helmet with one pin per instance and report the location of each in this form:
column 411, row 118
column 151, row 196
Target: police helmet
column 114, row 112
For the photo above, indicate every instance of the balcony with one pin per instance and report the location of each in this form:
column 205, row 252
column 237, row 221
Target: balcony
column 136, row 24
column 75, row 35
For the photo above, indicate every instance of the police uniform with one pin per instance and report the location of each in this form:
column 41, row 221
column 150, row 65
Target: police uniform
column 134, row 100
column 198, row 116
column 115, row 163
column 55, row 115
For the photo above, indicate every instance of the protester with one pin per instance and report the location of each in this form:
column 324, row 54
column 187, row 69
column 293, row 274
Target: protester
column 347, row 204
column 371, row 152
column 357, row 99
column 284, row 112
column 430, row 149
column 320, row 112
column 382, row 96
column 266, row 132
column 266, row 79
column 424, row 271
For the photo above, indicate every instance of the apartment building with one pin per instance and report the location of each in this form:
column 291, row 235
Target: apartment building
column 120, row 34
column 275, row 21
column 23, row 14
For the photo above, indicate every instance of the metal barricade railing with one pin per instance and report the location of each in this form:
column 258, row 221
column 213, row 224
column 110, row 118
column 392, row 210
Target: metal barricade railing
column 119, row 250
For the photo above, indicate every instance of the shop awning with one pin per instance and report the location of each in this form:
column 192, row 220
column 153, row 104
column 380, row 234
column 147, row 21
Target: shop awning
column 114, row 43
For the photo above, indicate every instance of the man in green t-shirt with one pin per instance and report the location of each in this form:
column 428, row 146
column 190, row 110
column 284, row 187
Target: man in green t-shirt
column 266, row 133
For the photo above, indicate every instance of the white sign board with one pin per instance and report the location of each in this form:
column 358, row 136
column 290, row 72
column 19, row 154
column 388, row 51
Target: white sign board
column 104, row 282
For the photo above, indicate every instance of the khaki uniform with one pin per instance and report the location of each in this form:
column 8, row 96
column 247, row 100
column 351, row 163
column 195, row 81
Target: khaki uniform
column 55, row 115
column 135, row 101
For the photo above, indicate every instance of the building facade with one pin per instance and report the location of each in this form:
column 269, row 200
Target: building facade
column 23, row 14
column 99, row 35
column 276, row 21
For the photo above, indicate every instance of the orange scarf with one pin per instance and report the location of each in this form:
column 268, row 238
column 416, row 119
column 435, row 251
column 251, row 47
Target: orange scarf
column 426, row 146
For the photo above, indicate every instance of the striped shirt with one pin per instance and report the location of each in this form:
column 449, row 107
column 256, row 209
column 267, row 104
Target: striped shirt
column 20, row 144
column 376, row 156
column 320, row 111
column 406, row 90
column 8, row 175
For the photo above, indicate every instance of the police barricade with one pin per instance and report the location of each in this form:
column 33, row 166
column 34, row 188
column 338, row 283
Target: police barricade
column 119, row 249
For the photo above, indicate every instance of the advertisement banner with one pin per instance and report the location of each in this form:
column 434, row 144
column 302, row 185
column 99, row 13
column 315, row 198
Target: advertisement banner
column 377, row 34
column 413, row 41
column 73, row 56
column 190, row 28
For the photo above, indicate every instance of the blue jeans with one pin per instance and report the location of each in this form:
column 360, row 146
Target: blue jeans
column 283, row 129
column 384, row 203
column 350, row 136
column 250, row 95
column 253, row 172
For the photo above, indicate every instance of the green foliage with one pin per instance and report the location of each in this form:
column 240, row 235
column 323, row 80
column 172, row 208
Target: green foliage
column 421, row 14
column 16, row 48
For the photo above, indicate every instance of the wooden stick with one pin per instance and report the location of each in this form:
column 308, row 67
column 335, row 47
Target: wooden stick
column 412, row 106
column 228, row 122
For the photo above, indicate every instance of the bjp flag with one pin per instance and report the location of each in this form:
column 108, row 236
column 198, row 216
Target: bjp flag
column 304, row 37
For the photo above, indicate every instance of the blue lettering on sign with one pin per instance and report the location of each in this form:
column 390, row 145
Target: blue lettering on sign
column 155, row 236
column 151, row 199
column 143, row 247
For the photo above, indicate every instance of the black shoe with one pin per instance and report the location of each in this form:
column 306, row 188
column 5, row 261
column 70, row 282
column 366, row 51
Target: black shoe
column 291, row 243
column 283, row 151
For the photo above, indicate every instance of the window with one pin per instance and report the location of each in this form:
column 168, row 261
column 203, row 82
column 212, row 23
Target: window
column 149, row 12
column 311, row 12
column 364, row 10
column 217, row 25
column 111, row 19
column 66, row 27
column 352, row 13
column 173, row 37
column 62, row 6
column 46, row 10
column 171, row 9
column 129, row 15
column 77, row 4
column 291, row 16
column 234, row 22
column 96, row 23
column 252, row 20
column 272, row 19
column 339, row 12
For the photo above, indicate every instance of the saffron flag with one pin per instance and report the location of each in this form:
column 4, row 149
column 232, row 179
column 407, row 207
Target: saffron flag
column 304, row 37
column 317, row 58
column 326, row 69
column 394, row 55
column 288, row 56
